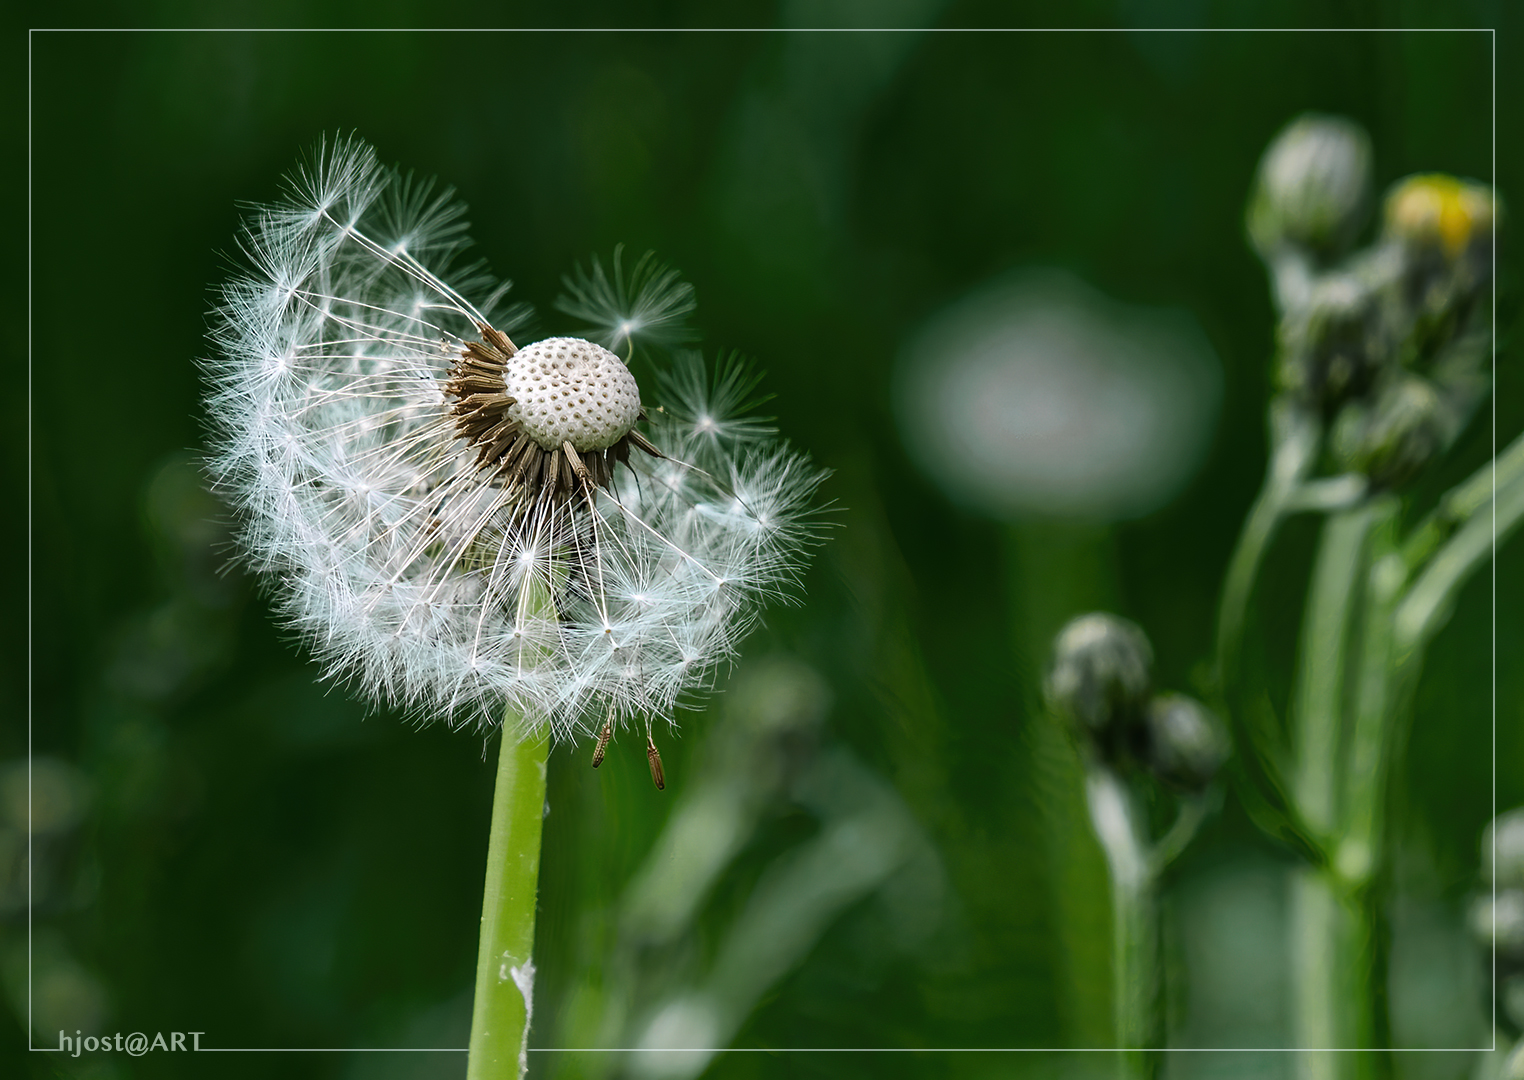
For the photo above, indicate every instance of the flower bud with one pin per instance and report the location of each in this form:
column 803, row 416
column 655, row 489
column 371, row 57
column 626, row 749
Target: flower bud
column 1393, row 437
column 1441, row 230
column 1187, row 743
column 1313, row 187
column 1099, row 679
column 1439, row 212
column 1332, row 346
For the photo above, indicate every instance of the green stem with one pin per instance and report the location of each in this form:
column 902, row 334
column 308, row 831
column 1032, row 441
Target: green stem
column 1379, row 695
column 1321, row 681
column 1427, row 604
column 1056, row 571
column 1135, row 922
column 1331, row 932
column 1463, row 501
column 1194, row 809
column 504, row 960
column 1334, row 908
column 1295, row 438
column 1332, row 942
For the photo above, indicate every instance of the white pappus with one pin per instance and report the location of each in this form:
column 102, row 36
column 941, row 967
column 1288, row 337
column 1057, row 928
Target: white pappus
column 458, row 525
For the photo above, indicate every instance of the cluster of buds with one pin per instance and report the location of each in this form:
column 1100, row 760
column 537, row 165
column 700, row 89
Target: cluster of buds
column 1497, row 918
column 1387, row 343
column 1101, row 683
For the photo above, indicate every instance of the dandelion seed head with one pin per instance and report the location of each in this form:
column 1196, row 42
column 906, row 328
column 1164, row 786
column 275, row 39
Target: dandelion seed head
column 570, row 390
column 457, row 525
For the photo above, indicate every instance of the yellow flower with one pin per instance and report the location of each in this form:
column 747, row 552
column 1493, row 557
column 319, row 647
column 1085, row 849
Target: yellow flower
column 1435, row 208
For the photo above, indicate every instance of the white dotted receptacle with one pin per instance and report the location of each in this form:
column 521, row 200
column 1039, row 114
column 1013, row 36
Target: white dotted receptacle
column 570, row 390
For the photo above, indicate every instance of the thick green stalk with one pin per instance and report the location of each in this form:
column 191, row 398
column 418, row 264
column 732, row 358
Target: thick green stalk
column 1332, row 948
column 1321, row 678
column 1379, row 694
column 1408, row 591
column 504, row 959
column 1331, row 933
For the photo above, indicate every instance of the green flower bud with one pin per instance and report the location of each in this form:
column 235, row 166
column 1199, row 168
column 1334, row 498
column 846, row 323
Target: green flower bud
column 1187, row 743
column 1332, row 346
column 1393, row 437
column 1099, row 679
column 1313, row 187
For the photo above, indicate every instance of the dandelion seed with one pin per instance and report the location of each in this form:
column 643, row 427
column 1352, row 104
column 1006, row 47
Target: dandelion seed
column 651, row 302
column 456, row 523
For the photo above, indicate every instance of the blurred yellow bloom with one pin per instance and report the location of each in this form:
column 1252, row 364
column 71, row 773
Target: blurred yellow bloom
column 1436, row 207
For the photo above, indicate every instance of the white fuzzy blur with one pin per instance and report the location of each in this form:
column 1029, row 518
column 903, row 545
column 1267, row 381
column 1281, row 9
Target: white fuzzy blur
column 410, row 575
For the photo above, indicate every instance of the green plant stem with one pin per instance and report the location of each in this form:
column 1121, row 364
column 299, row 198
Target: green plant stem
column 1057, row 570
column 1463, row 501
column 504, row 960
column 1427, row 604
column 1331, row 961
column 1295, row 437
column 1325, row 640
column 1388, row 598
column 1331, row 932
column 1194, row 809
column 1135, row 921
column 1380, row 691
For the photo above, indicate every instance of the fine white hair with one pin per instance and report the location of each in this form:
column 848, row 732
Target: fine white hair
column 412, row 574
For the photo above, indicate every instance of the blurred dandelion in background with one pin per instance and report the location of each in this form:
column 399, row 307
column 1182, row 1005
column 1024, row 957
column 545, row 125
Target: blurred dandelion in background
column 1037, row 396
column 441, row 513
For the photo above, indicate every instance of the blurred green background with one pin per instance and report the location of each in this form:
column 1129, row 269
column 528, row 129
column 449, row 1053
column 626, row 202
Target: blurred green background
column 224, row 845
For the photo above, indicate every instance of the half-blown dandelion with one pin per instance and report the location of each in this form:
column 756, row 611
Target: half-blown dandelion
column 457, row 524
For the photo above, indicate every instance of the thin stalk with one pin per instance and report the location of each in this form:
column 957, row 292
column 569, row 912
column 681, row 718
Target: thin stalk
column 1135, row 922
column 505, row 956
column 1427, row 604
column 1464, row 501
column 1194, row 809
column 1295, row 437
column 1055, row 572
